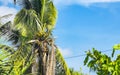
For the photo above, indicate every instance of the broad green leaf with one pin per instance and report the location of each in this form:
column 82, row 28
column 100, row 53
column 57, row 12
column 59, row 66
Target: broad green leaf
column 116, row 47
column 86, row 60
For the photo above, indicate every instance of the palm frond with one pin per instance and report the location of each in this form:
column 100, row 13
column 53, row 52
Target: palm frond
column 61, row 66
column 27, row 22
column 6, row 65
column 8, row 33
column 23, row 59
column 45, row 10
column 37, row 6
column 50, row 15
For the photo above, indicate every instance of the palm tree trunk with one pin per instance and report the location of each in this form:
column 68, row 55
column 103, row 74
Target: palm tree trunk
column 51, row 66
column 36, row 65
column 54, row 61
column 44, row 63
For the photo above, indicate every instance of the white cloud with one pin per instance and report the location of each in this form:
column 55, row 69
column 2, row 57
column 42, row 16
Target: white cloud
column 4, row 10
column 82, row 2
column 66, row 52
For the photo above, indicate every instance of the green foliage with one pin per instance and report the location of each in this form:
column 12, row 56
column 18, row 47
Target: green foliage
column 38, row 16
column 115, row 47
column 33, row 24
column 61, row 66
column 30, row 33
column 76, row 72
column 27, row 22
column 101, row 63
column 35, row 21
column 5, row 65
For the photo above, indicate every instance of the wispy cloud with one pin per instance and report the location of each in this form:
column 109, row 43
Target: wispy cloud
column 66, row 52
column 4, row 10
column 82, row 2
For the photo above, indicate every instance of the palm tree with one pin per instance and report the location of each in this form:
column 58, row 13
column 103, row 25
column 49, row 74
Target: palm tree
column 35, row 22
column 31, row 34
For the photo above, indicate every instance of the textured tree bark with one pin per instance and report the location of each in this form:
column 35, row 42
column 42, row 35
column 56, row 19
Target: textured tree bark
column 54, row 61
column 36, row 65
column 44, row 63
column 51, row 67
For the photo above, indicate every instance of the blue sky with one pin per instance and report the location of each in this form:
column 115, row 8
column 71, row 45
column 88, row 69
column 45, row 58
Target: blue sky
column 82, row 25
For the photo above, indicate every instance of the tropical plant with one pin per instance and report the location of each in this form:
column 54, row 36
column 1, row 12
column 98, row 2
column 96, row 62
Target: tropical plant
column 35, row 22
column 61, row 66
column 33, row 49
column 102, row 64
column 5, row 65
column 73, row 72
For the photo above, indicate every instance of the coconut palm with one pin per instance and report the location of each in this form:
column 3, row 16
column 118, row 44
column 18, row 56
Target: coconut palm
column 35, row 22
column 31, row 34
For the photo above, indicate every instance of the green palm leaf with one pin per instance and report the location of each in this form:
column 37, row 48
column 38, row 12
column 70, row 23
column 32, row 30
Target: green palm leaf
column 61, row 66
